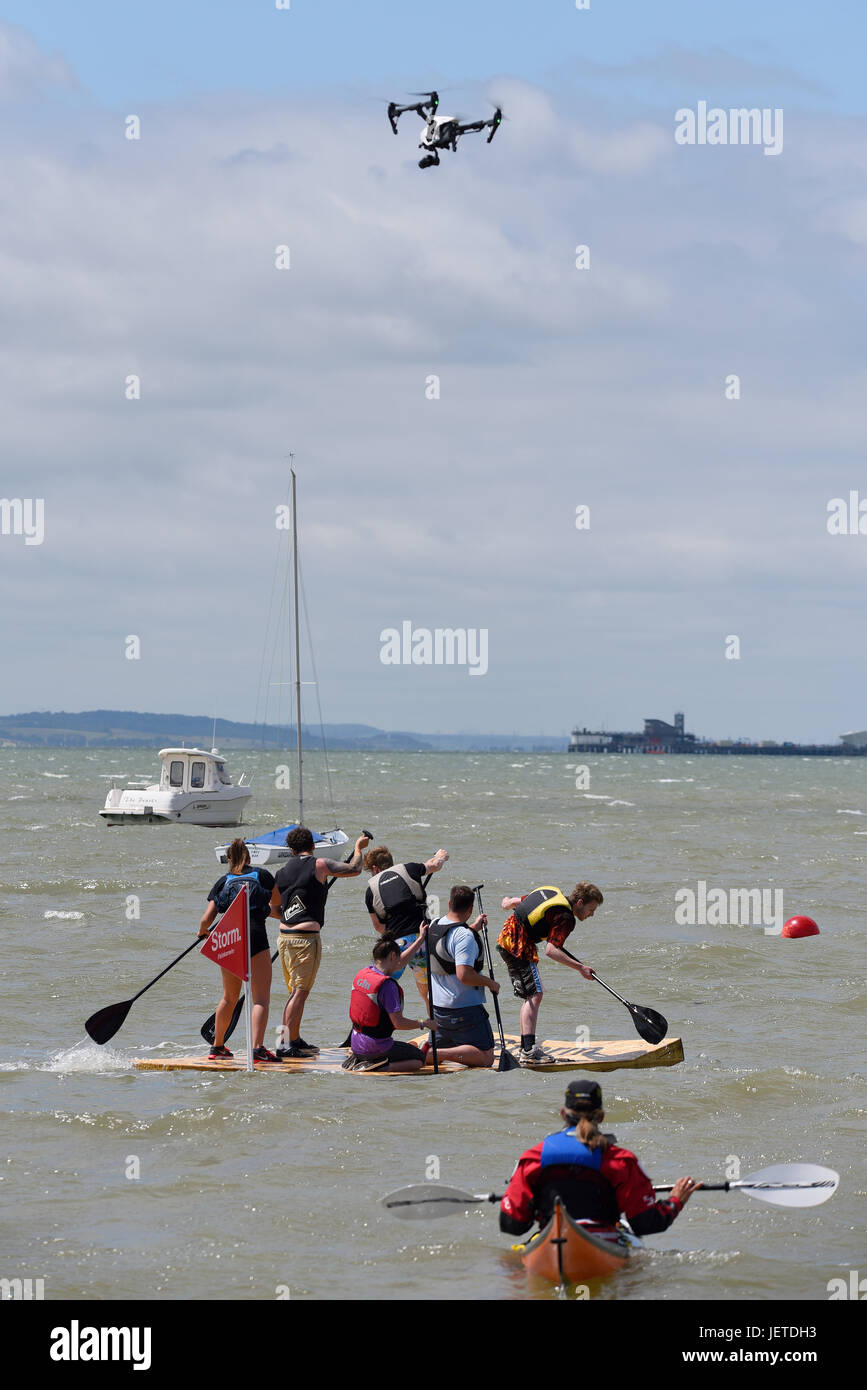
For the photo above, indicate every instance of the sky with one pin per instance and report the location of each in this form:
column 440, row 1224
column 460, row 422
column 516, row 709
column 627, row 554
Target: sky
column 452, row 385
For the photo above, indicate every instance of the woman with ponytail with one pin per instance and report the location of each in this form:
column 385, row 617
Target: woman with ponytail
column 260, row 884
column 594, row 1178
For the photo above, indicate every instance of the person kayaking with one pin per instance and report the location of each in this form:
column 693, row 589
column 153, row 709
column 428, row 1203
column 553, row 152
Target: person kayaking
column 546, row 915
column 220, row 898
column 395, row 899
column 376, row 1010
column 454, row 943
column 299, row 894
column 594, row 1178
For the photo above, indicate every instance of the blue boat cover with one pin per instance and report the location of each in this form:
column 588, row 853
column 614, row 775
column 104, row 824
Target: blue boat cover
column 278, row 837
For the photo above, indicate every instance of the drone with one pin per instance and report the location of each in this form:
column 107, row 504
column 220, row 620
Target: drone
column 440, row 132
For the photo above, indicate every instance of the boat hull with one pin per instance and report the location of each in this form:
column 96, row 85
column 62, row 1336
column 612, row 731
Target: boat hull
column 153, row 807
column 567, row 1252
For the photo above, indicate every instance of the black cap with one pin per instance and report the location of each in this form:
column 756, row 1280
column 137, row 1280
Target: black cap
column 583, row 1095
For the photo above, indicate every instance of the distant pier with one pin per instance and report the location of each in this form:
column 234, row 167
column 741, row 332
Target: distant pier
column 660, row 737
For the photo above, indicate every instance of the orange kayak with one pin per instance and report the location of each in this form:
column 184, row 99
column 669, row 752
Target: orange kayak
column 568, row 1252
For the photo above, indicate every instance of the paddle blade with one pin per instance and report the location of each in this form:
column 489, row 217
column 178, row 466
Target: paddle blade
column 812, row 1185
column 649, row 1025
column 422, row 1201
column 209, row 1028
column 507, row 1061
column 103, row 1025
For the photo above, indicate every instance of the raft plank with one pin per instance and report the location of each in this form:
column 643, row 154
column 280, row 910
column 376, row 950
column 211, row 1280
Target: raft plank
column 599, row 1056
column 328, row 1060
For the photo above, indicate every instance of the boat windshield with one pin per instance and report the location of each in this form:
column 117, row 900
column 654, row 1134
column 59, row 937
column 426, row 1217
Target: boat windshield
column 197, row 775
column 223, row 774
column 176, row 773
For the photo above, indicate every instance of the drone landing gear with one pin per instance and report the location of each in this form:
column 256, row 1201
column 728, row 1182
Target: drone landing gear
column 429, row 160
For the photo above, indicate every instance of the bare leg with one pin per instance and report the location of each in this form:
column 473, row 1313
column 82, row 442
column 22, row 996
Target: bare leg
column 410, row 1065
column 260, row 984
column 294, row 1012
column 530, row 1013
column 470, row 1056
column 226, row 1006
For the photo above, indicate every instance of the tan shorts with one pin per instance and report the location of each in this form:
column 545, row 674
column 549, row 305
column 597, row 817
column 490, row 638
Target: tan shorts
column 300, row 955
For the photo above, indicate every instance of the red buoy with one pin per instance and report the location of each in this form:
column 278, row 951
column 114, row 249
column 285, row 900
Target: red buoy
column 800, row 926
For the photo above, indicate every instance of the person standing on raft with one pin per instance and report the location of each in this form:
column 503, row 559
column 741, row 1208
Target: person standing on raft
column 456, row 954
column 546, row 915
column 376, row 1010
column 395, row 899
column 300, row 891
column 594, row 1178
column 220, row 898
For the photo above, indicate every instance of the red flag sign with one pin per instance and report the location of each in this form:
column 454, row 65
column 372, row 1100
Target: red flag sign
column 227, row 943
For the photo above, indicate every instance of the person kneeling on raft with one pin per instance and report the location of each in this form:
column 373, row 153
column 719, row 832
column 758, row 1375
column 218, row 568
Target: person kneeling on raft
column 456, row 955
column 594, row 1178
column 376, row 1010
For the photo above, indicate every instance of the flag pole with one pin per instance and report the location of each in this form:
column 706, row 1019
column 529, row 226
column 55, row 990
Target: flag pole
column 247, row 990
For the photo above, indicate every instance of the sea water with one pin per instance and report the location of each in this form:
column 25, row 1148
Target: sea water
column 134, row 1185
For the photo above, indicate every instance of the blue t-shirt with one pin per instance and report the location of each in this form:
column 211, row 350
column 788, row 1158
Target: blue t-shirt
column 448, row 992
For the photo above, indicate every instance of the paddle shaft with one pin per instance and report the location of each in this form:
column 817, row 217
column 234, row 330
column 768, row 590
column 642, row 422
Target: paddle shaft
column 186, row 952
column 433, row 1032
column 767, row 1186
column 478, row 893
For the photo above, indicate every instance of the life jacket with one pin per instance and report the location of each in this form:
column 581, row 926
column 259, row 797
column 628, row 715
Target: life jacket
column 301, row 894
column 365, row 1011
column 532, row 911
column 260, row 898
column 440, row 962
column 399, row 887
column 579, row 1181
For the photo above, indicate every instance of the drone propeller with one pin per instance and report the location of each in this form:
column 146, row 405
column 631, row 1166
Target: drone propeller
column 495, row 123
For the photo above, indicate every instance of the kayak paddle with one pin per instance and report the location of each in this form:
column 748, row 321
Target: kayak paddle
column 208, row 1028
column 103, row 1025
column 507, row 1062
column 786, row 1185
column 649, row 1025
column 421, row 1200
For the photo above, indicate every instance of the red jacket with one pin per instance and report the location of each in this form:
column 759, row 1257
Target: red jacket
column 630, row 1185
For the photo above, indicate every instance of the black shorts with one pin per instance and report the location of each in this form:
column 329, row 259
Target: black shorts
column 258, row 938
column 398, row 1052
column 464, row 1027
column 524, row 975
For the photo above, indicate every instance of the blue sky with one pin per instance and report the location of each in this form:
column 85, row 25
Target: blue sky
column 163, row 50
column 560, row 387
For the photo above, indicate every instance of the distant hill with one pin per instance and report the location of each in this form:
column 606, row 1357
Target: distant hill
column 101, row 728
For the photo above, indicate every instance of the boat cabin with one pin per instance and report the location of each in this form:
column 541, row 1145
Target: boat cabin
column 191, row 770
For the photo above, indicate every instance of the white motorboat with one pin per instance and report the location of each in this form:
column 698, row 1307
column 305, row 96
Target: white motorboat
column 194, row 789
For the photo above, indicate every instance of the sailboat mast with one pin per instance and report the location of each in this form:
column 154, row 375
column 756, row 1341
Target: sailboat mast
column 297, row 653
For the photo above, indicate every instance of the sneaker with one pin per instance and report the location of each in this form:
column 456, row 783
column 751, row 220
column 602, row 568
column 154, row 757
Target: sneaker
column 261, row 1054
column 299, row 1042
column 534, row 1056
column 218, row 1053
column 354, row 1063
column 294, row 1051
